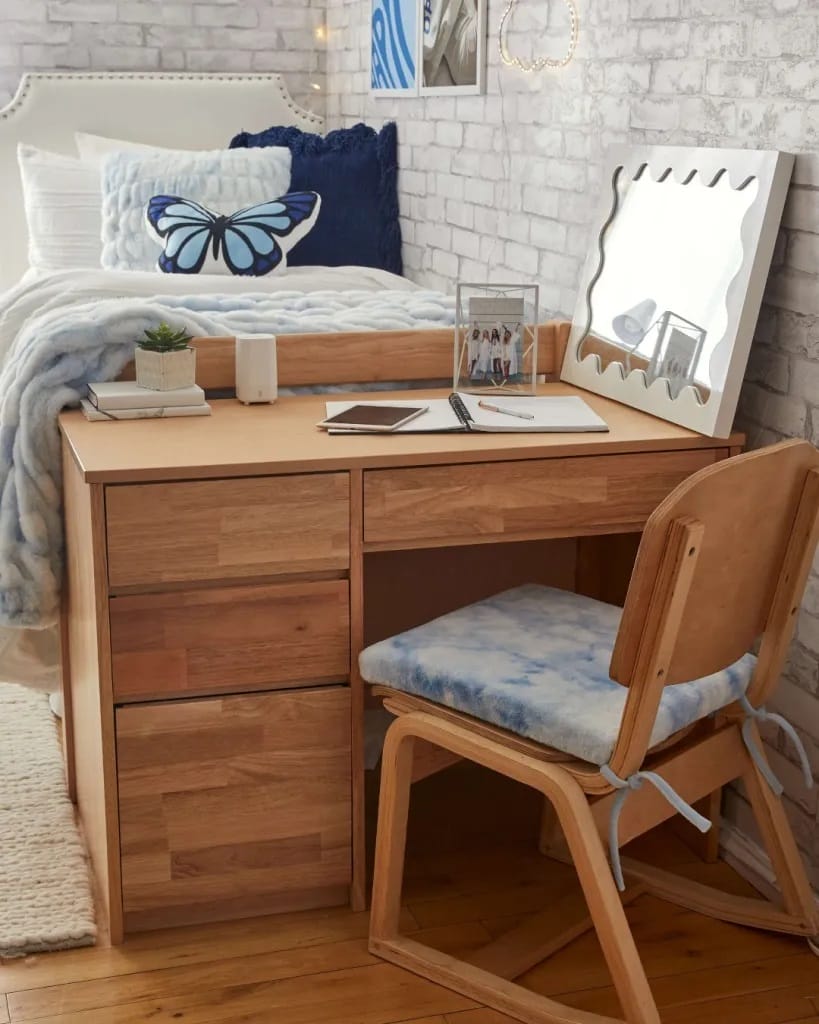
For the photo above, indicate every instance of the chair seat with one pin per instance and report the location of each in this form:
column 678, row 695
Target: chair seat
column 535, row 661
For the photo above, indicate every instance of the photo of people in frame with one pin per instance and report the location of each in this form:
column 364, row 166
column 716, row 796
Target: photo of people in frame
column 493, row 342
column 494, row 353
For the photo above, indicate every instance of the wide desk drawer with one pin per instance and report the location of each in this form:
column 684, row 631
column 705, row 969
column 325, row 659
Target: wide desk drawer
column 224, row 639
column 234, row 806
column 538, row 497
column 227, row 529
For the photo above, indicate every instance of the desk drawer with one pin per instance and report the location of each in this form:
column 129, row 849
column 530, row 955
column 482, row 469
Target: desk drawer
column 227, row 529
column 543, row 497
column 235, row 806
column 226, row 639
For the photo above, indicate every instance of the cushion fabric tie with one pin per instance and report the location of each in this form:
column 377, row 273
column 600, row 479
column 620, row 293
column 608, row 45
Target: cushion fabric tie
column 762, row 715
column 634, row 782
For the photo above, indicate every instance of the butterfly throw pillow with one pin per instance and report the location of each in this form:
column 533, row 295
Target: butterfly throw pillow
column 252, row 242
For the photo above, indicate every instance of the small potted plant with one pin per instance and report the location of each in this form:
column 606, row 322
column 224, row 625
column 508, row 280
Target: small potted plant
column 165, row 360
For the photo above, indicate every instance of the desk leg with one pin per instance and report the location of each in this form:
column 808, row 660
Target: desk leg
column 358, row 889
column 68, row 708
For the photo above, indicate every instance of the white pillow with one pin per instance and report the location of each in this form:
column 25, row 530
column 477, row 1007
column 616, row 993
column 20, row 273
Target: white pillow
column 224, row 180
column 94, row 148
column 62, row 200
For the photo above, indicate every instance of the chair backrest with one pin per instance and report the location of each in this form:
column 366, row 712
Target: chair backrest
column 754, row 511
column 722, row 562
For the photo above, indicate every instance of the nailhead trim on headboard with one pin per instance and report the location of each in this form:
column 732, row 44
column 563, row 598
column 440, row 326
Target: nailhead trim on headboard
column 274, row 79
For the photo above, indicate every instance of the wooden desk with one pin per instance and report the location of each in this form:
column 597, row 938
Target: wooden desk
column 223, row 575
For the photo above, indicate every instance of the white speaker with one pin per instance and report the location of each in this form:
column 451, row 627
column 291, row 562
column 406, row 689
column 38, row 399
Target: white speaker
column 257, row 378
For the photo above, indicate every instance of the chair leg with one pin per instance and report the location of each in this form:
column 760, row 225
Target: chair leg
column 777, row 835
column 795, row 914
column 605, row 908
column 391, row 839
column 576, row 820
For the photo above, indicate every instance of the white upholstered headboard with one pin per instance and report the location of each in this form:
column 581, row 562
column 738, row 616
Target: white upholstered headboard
column 181, row 111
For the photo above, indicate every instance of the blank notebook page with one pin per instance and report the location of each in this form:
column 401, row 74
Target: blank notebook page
column 559, row 413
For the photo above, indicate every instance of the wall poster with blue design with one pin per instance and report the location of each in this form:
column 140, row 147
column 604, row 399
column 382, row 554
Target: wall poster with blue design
column 393, row 47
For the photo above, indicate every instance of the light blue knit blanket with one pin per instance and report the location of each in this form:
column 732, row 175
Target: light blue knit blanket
column 52, row 355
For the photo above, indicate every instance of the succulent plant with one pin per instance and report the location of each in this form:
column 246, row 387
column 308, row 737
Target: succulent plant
column 164, row 339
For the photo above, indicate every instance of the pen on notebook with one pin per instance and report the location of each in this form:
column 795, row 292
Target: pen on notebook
column 506, row 412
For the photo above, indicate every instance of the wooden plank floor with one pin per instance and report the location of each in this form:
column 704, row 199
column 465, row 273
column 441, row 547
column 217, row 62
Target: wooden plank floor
column 472, row 872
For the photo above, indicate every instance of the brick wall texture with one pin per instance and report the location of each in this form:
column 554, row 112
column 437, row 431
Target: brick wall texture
column 166, row 35
column 504, row 185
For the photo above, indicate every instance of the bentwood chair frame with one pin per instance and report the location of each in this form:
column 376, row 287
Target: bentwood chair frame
column 722, row 564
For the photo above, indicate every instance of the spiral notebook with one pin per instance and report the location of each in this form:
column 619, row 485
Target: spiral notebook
column 461, row 413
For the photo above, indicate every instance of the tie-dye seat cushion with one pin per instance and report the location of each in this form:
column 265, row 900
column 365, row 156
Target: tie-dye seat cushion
column 535, row 660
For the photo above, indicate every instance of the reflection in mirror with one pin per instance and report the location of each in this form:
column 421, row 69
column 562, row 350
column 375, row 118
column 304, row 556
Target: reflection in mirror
column 668, row 255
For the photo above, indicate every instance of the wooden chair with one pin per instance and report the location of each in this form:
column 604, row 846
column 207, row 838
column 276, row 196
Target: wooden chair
column 722, row 563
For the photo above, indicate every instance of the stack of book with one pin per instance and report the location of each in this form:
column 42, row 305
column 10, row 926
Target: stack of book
column 125, row 400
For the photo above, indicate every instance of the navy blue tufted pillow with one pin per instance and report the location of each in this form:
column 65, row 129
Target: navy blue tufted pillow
column 355, row 171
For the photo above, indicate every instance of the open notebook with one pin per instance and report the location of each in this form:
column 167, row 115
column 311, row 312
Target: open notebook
column 462, row 413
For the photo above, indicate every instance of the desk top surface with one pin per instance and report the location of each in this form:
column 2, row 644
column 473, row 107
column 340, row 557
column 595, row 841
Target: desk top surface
column 256, row 440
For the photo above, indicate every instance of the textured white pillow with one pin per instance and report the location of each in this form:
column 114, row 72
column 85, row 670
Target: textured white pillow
column 94, row 148
column 62, row 200
column 224, row 180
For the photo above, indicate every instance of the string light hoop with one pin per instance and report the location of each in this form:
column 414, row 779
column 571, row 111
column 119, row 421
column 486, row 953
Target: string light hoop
column 538, row 63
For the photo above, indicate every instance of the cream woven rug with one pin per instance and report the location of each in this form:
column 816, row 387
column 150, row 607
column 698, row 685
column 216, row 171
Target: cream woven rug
column 45, row 887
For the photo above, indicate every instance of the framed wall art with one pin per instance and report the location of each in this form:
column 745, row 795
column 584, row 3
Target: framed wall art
column 394, row 29
column 452, row 47
column 427, row 47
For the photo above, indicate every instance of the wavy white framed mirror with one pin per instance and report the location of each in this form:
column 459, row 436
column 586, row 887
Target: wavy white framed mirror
column 672, row 285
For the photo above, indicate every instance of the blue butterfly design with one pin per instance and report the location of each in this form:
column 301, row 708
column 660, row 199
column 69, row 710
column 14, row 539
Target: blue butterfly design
column 246, row 240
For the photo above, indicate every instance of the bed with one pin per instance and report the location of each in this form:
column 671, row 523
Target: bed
column 60, row 328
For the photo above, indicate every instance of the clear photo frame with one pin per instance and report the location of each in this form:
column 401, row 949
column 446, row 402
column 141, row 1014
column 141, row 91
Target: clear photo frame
column 496, row 338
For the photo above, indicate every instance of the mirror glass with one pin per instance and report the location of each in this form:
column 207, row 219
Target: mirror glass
column 668, row 255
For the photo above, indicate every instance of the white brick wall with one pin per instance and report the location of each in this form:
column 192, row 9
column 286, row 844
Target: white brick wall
column 151, row 35
column 702, row 72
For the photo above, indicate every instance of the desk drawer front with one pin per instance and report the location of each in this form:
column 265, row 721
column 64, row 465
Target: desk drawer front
column 227, row 529
column 235, row 806
column 226, row 639
column 558, row 497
